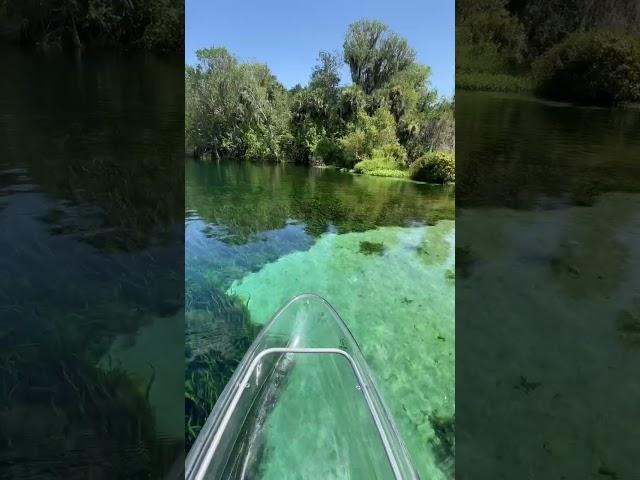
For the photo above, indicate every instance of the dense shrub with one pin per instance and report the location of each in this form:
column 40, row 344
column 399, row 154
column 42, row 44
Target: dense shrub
column 367, row 134
column 235, row 110
column 595, row 68
column 434, row 167
column 328, row 151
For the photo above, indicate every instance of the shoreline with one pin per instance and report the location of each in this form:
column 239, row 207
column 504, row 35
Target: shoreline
column 528, row 95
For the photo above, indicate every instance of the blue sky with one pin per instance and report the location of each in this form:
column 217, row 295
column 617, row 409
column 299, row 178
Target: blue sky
column 288, row 34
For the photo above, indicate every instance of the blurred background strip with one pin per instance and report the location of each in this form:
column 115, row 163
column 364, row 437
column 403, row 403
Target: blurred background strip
column 91, row 239
column 548, row 239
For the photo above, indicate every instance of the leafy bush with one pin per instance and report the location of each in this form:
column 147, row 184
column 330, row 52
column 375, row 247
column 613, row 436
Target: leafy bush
column 596, row 68
column 394, row 152
column 328, row 151
column 261, row 146
column 367, row 134
column 379, row 168
column 434, row 167
column 384, row 162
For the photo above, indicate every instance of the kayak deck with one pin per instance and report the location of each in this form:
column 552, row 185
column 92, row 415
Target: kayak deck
column 301, row 404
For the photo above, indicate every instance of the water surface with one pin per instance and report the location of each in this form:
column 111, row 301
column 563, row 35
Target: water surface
column 379, row 250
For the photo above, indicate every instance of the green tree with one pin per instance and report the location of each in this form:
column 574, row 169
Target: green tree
column 488, row 37
column 383, row 122
column 374, row 54
column 371, row 134
column 315, row 113
column 234, row 110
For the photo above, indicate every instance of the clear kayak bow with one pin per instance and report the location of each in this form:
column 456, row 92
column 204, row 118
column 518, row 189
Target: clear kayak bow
column 302, row 404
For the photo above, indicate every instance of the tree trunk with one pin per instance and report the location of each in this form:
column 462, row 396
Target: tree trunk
column 75, row 38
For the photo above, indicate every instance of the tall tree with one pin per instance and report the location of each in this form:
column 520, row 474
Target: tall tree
column 374, row 54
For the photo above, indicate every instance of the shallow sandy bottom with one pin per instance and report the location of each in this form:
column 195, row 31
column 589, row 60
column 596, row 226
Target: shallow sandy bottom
column 398, row 304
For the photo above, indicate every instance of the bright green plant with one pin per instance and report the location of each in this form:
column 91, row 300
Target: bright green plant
column 434, row 167
column 368, row 133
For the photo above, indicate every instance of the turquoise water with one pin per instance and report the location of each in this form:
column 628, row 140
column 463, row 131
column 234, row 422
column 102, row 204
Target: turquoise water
column 379, row 250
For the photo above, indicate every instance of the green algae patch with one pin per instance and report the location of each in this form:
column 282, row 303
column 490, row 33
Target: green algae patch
column 371, row 248
column 400, row 309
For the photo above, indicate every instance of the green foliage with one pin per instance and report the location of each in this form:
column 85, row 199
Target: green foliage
column 328, row 151
column 233, row 110
column 380, row 166
column 315, row 112
column 488, row 38
column 148, row 24
column 374, row 54
column 598, row 68
column 239, row 111
column 407, row 92
column 325, row 75
column 434, row 167
column 582, row 52
column 353, row 101
column 218, row 332
column 367, row 134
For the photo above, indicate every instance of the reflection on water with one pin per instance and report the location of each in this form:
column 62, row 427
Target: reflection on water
column 90, row 266
column 548, row 255
column 379, row 250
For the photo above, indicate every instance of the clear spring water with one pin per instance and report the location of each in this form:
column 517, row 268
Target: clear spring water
column 379, row 250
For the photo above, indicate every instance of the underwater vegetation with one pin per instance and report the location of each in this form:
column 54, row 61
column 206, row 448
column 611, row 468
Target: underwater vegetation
column 62, row 413
column 628, row 326
column 371, row 248
column 218, row 332
column 444, row 442
column 256, row 235
column 92, row 255
column 387, row 301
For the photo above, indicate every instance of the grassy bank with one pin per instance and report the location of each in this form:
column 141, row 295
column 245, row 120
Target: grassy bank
column 494, row 82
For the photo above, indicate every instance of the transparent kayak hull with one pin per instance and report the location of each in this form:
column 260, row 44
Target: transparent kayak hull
column 302, row 404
